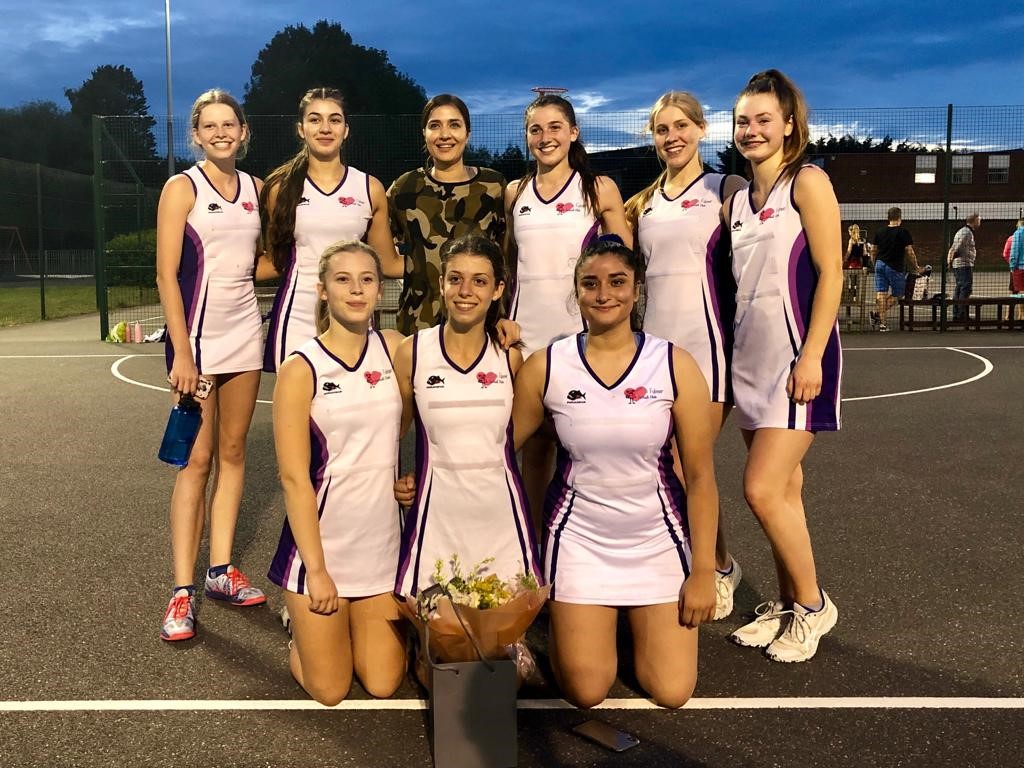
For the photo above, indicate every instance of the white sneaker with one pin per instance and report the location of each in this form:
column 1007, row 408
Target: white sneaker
column 725, row 587
column 286, row 620
column 800, row 640
column 762, row 631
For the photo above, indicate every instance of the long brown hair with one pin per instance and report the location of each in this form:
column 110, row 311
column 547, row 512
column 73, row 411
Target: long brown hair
column 688, row 104
column 794, row 107
column 289, row 178
column 478, row 245
column 578, row 158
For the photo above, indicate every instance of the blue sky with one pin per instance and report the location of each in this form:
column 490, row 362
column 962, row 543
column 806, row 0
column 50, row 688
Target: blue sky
column 612, row 55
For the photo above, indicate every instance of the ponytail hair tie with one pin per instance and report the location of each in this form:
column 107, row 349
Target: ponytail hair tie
column 610, row 238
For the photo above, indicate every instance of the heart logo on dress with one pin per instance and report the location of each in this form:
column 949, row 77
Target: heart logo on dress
column 635, row 393
column 346, row 201
column 486, row 379
column 248, row 207
column 372, row 377
column 690, row 203
column 564, row 207
column 766, row 214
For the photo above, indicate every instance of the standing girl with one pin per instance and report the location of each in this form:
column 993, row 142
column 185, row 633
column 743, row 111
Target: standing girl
column 622, row 533
column 337, row 413
column 555, row 210
column 441, row 201
column 309, row 203
column 787, row 361
column 207, row 234
column 468, row 494
column 690, row 294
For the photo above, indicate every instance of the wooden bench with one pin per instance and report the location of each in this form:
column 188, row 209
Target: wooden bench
column 1006, row 309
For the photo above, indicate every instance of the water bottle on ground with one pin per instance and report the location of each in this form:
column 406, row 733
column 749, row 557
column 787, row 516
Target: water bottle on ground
column 182, row 428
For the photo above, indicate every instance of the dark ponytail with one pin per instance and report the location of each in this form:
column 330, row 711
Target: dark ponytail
column 288, row 179
column 578, row 158
column 478, row 245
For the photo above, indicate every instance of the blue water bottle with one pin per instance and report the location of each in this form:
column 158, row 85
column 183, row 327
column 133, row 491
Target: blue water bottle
column 182, row 428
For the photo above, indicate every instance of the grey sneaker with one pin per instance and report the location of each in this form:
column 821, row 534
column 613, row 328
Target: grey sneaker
column 233, row 587
column 725, row 587
column 286, row 620
column 180, row 619
column 762, row 631
column 800, row 640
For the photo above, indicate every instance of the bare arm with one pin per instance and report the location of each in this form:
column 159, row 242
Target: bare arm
column 379, row 236
column 511, row 254
column 528, row 403
column 819, row 216
column 612, row 212
column 293, row 394
column 912, row 265
column 402, row 360
column 176, row 202
column 692, row 420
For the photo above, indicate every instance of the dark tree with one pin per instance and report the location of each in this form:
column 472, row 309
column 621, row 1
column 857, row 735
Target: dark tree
column 299, row 58
column 114, row 90
column 41, row 132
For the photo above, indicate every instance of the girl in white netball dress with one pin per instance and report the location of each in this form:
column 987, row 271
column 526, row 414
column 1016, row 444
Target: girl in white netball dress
column 787, row 361
column 690, row 296
column 621, row 531
column 311, row 202
column 469, row 499
column 553, row 212
column 337, row 414
column 207, row 233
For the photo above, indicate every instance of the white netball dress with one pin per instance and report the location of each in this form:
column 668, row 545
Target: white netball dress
column 218, row 258
column 690, row 296
column 354, row 420
column 776, row 281
column 550, row 234
column 615, row 511
column 469, row 496
column 321, row 219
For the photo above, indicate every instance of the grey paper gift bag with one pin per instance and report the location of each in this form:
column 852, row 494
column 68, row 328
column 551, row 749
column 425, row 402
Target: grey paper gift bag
column 473, row 712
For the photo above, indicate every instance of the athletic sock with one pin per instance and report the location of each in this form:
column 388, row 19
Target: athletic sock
column 727, row 571
column 190, row 588
column 819, row 605
column 217, row 570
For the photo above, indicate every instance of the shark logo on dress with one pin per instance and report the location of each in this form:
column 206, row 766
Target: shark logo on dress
column 329, row 388
column 647, row 211
column 303, row 201
column 524, row 210
column 575, row 396
column 214, row 208
column 635, row 394
column 372, row 377
column 435, row 381
column 737, row 225
column 486, row 379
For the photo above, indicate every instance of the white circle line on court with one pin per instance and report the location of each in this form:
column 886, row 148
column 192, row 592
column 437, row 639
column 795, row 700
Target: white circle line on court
column 115, row 369
column 988, row 368
column 376, row 705
column 60, row 357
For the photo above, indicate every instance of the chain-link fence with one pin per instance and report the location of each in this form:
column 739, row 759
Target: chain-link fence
column 937, row 164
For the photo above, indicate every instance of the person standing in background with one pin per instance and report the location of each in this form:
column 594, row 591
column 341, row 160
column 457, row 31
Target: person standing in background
column 961, row 257
column 893, row 251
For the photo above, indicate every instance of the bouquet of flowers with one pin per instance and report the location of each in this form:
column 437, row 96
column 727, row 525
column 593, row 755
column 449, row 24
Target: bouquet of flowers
column 497, row 613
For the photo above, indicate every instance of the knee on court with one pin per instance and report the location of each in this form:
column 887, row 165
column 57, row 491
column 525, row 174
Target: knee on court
column 328, row 692
column 586, row 687
column 669, row 693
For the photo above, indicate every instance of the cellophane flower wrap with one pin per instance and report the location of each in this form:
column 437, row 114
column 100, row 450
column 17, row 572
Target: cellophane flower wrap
column 498, row 612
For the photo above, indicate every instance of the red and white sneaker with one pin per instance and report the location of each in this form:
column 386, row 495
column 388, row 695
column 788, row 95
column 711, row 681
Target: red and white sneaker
column 180, row 619
column 233, row 587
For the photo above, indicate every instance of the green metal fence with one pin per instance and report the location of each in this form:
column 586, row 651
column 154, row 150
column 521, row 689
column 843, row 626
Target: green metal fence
column 937, row 164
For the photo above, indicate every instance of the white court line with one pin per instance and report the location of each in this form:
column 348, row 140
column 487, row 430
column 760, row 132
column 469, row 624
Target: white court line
column 116, row 371
column 900, row 349
column 58, row 357
column 375, row 705
column 985, row 372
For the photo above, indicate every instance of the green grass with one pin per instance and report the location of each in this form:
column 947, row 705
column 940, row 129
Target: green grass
column 21, row 304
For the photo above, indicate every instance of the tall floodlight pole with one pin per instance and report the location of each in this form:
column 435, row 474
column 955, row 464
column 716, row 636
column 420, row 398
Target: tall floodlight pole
column 170, row 102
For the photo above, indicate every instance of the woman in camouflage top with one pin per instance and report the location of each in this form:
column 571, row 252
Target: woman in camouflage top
column 435, row 204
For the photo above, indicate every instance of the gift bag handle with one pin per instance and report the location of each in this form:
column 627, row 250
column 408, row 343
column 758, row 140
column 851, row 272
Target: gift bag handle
column 476, row 646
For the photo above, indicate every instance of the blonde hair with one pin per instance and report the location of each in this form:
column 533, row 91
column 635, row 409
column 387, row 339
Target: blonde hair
column 854, row 232
column 218, row 96
column 323, row 314
column 688, row 104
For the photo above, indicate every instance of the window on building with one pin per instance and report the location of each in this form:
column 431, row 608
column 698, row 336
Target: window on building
column 924, row 169
column 963, row 166
column 998, row 169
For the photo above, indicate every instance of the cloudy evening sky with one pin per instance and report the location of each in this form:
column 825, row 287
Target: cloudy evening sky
column 610, row 54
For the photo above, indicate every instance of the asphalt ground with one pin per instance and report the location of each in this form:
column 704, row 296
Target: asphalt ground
column 915, row 512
